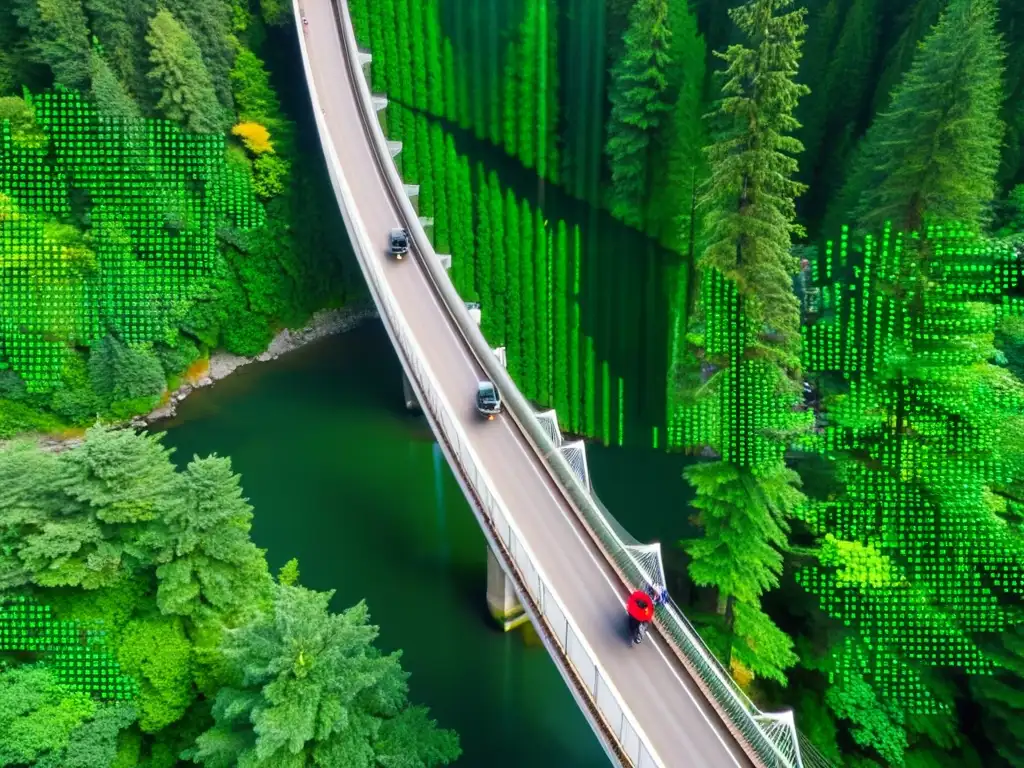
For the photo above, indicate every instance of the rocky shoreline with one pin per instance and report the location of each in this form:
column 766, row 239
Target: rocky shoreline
column 328, row 322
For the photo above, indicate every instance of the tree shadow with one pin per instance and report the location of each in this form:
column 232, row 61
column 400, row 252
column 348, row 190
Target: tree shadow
column 625, row 279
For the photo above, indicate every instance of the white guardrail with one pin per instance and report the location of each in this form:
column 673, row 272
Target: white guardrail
column 742, row 717
column 539, row 600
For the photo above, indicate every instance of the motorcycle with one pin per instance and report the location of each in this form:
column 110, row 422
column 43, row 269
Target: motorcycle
column 637, row 630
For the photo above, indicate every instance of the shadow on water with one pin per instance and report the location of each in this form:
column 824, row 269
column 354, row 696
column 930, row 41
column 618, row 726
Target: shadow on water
column 625, row 278
column 624, row 281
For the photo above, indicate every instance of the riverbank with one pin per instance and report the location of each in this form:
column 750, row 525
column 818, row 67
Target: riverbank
column 220, row 365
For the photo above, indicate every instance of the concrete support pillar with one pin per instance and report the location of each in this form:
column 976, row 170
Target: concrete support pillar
column 409, row 394
column 501, row 596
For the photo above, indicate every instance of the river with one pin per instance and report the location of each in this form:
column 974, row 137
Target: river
column 347, row 481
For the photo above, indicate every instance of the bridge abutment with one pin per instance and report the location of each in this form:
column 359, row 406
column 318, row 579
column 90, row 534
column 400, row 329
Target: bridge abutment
column 502, row 599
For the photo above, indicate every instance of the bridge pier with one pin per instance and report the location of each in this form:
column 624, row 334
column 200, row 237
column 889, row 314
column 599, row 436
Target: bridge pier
column 502, row 599
column 409, row 395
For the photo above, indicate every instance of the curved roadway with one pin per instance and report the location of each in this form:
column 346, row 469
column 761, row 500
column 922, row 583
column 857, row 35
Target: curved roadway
column 682, row 727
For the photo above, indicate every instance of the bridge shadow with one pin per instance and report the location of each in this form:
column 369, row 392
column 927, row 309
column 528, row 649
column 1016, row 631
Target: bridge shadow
column 624, row 298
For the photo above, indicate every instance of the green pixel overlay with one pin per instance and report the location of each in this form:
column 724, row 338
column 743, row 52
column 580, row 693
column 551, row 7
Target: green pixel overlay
column 916, row 543
column 151, row 198
column 79, row 656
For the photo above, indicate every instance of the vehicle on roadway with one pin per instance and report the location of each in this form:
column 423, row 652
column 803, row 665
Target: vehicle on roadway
column 640, row 609
column 488, row 401
column 398, row 242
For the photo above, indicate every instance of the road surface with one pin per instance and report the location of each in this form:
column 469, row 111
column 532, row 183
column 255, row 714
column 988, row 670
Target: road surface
column 684, row 730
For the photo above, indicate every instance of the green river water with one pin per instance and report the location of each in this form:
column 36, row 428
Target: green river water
column 342, row 477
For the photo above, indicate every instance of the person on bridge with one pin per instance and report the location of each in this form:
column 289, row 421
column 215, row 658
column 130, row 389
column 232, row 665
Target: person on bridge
column 640, row 608
column 658, row 593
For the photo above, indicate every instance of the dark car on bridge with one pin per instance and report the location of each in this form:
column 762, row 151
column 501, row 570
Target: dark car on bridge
column 398, row 242
column 488, row 401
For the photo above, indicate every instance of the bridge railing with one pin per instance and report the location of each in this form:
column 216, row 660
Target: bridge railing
column 740, row 715
column 542, row 601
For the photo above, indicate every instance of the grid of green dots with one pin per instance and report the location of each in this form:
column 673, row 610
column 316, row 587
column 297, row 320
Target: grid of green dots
column 79, row 656
column 923, row 570
column 737, row 420
column 150, row 199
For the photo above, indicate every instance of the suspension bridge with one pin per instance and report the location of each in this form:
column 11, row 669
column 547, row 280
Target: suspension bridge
column 557, row 556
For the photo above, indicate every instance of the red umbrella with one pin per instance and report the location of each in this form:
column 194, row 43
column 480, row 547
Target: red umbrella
column 640, row 606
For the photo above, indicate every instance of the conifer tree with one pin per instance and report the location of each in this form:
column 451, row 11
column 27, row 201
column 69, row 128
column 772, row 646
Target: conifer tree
column 637, row 94
column 916, row 538
column 209, row 564
column 111, row 97
column 751, row 336
column 677, row 150
column 186, row 90
column 59, row 36
column 933, row 154
column 313, row 690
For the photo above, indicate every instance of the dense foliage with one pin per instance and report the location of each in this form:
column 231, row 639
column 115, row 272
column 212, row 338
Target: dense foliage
column 652, row 301
column 629, row 189
column 231, row 667
column 119, row 279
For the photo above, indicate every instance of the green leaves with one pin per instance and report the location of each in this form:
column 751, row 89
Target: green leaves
column 312, row 689
column 59, row 37
column 933, row 155
column 209, row 563
column 156, row 652
column 178, row 70
column 637, row 94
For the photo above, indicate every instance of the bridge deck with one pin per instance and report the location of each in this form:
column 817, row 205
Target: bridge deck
column 682, row 726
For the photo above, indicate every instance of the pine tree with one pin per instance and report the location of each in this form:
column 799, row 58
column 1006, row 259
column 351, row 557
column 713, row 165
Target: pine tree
column 209, row 564
column 484, row 259
column 111, row 97
column 751, row 335
column 933, row 155
column 679, row 165
column 313, row 689
column 80, row 518
column 59, row 35
column 513, row 300
column 442, row 205
column 120, row 26
column 528, row 260
column 209, row 24
column 637, row 94
column 187, row 94
column 499, row 270
column 750, row 195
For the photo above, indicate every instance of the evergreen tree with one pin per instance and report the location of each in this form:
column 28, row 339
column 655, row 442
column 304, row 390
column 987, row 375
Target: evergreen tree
column 209, row 562
column 312, row 689
column 678, row 165
column 209, row 24
column 91, row 512
column 637, row 93
column 750, row 195
column 110, row 95
column 513, row 299
column 59, row 35
column 187, row 94
column 120, row 26
column 751, row 336
column 934, row 153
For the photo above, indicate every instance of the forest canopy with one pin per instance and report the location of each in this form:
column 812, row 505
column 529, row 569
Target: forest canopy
column 790, row 243
column 155, row 204
column 188, row 648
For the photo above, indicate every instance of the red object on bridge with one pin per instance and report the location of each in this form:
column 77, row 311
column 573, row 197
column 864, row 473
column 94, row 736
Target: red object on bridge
column 640, row 606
